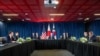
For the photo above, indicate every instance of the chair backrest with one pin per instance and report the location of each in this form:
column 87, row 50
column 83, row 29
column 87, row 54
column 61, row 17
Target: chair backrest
column 1, row 39
column 98, row 38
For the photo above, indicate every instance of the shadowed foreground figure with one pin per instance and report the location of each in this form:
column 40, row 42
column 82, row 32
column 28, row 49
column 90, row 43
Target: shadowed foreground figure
column 51, row 53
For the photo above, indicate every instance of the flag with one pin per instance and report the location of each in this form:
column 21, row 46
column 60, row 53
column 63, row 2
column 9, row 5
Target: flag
column 48, row 31
column 54, row 32
column 43, row 36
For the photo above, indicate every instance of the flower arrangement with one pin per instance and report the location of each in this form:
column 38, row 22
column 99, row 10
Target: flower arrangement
column 28, row 39
column 83, row 39
column 73, row 38
column 20, row 40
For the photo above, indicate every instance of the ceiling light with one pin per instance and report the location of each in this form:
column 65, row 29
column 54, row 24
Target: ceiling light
column 97, row 14
column 26, row 13
column 54, row 7
column 22, row 19
column 9, row 19
column 56, row 2
column 10, row 14
column 86, row 19
column 80, row 18
column 28, row 19
column 53, row 14
column 80, row 13
column 52, row 19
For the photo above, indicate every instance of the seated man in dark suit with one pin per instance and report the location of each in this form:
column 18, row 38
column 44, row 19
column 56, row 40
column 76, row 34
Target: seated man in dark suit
column 33, row 36
column 86, row 35
column 92, row 37
column 10, row 37
column 65, row 36
column 16, row 35
column 37, row 36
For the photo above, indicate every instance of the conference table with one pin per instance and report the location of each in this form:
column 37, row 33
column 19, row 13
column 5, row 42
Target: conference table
column 75, row 47
column 15, row 49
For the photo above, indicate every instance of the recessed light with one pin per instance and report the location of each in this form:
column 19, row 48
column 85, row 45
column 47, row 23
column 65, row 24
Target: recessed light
column 97, row 14
column 54, row 7
column 86, row 19
column 80, row 18
column 23, row 20
column 52, row 19
column 56, row 2
column 79, row 13
column 10, row 14
column 9, row 19
column 26, row 13
column 28, row 19
column 54, row 14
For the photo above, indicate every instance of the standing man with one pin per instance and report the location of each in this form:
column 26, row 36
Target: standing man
column 86, row 35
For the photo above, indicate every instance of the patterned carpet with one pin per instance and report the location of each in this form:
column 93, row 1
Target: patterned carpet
column 51, row 53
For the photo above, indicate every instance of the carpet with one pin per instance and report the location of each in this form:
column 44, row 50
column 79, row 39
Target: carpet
column 51, row 53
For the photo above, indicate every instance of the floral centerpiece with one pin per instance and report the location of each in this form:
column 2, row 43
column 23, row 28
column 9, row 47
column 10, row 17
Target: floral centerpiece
column 83, row 39
column 20, row 40
column 73, row 38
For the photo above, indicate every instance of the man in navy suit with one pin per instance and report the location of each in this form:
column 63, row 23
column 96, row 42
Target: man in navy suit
column 92, row 37
column 16, row 35
column 10, row 37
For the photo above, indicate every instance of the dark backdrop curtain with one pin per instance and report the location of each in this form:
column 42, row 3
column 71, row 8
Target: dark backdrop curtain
column 95, row 27
column 26, row 28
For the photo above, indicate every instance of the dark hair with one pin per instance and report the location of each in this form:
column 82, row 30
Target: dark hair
column 10, row 32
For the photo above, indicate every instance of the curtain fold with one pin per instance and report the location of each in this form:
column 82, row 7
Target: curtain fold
column 95, row 27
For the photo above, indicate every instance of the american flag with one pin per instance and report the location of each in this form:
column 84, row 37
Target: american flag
column 48, row 32
column 43, row 36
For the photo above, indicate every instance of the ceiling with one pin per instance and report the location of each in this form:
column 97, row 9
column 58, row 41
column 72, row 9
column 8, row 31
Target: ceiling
column 74, row 10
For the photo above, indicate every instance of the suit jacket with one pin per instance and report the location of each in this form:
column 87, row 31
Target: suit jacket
column 86, row 37
column 10, row 39
column 16, row 37
column 93, row 38
column 65, row 37
column 33, row 37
